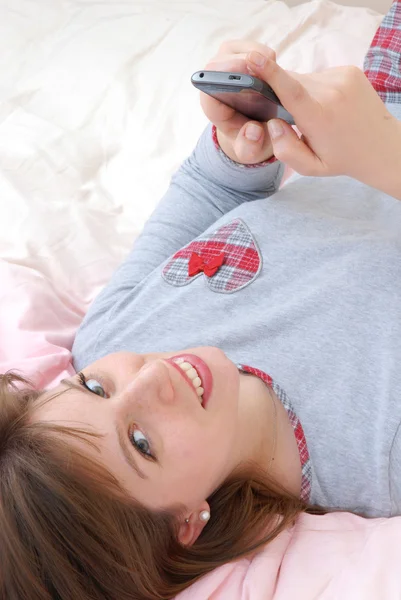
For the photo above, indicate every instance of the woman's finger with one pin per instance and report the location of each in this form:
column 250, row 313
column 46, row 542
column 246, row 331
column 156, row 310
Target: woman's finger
column 294, row 151
column 233, row 64
column 293, row 95
column 252, row 142
column 236, row 62
column 226, row 118
column 245, row 46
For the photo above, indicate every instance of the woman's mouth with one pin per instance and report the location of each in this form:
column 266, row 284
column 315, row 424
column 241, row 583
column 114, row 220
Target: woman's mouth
column 197, row 374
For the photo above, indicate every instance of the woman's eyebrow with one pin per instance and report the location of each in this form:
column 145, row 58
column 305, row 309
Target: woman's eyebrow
column 121, row 439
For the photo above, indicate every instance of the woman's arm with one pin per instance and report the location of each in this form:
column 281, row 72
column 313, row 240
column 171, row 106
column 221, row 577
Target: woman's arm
column 218, row 176
column 206, row 186
column 209, row 184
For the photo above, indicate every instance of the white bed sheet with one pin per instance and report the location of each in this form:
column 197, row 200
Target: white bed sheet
column 97, row 111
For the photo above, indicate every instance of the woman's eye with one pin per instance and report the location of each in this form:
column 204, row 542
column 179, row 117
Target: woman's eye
column 92, row 385
column 95, row 387
column 139, row 441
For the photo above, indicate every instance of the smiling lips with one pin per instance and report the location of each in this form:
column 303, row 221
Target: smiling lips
column 192, row 374
column 196, row 372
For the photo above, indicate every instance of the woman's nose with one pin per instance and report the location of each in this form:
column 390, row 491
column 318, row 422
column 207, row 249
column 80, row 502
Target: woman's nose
column 150, row 385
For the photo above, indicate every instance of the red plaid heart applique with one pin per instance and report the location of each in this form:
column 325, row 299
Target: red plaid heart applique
column 228, row 259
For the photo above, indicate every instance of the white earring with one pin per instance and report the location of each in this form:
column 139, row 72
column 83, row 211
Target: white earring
column 204, row 515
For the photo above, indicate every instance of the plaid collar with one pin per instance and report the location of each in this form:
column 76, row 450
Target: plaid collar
column 306, row 465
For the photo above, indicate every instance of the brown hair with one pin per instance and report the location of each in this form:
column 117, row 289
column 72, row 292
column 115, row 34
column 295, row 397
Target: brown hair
column 69, row 531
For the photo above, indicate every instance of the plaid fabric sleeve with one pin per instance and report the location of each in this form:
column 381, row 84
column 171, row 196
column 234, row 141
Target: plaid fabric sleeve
column 382, row 63
column 262, row 164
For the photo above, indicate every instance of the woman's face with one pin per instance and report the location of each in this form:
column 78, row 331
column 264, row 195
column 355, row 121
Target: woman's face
column 160, row 442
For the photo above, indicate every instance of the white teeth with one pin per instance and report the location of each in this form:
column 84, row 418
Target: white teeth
column 192, row 373
column 185, row 366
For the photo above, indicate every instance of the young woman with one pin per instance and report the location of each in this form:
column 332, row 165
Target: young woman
column 241, row 365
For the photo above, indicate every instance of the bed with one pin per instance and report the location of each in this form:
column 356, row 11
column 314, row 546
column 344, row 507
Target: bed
column 96, row 113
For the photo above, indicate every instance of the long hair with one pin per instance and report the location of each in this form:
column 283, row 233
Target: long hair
column 69, row 531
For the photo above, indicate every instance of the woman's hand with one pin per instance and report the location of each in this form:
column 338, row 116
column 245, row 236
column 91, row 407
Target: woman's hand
column 346, row 128
column 243, row 140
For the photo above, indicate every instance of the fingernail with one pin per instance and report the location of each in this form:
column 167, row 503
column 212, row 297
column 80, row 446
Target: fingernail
column 256, row 58
column 275, row 129
column 250, row 70
column 253, row 132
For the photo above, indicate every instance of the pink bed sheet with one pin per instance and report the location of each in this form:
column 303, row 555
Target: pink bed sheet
column 337, row 556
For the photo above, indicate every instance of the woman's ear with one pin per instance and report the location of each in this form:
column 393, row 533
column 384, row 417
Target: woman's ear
column 192, row 525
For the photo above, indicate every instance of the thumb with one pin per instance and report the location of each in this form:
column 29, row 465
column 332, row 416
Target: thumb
column 292, row 150
column 252, row 143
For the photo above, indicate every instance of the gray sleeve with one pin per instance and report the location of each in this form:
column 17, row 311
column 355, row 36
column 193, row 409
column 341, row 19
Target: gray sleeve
column 395, row 474
column 205, row 187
